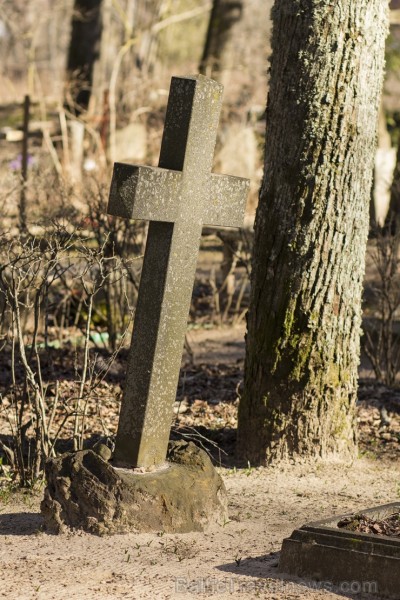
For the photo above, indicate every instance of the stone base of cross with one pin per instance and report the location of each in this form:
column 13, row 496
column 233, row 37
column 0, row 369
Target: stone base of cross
column 178, row 198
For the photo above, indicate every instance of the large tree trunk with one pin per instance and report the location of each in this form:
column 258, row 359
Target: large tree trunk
column 311, row 229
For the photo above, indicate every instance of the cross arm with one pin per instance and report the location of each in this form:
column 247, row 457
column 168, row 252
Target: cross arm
column 227, row 201
column 147, row 193
column 152, row 194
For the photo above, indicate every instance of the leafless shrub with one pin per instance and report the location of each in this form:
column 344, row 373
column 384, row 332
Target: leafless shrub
column 29, row 267
column 54, row 276
column 229, row 283
column 381, row 339
column 120, row 240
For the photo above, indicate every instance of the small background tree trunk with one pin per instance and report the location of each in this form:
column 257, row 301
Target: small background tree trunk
column 220, row 38
column 311, row 230
column 236, row 31
column 393, row 216
column 83, row 52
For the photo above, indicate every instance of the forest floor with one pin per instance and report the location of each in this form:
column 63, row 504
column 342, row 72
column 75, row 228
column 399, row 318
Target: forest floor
column 265, row 504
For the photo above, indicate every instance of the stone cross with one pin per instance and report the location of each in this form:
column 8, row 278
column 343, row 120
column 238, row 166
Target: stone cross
column 178, row 197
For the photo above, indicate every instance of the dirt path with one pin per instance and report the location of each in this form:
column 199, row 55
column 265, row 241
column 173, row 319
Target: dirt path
column 235, row 560
column 213, row 346
column 238, row 559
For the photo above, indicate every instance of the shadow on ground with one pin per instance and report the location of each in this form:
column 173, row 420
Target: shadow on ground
column 22, row 523
column 267, row 578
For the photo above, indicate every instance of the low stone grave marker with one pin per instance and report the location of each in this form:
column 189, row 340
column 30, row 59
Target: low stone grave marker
column 139, row 489
column 356, row 562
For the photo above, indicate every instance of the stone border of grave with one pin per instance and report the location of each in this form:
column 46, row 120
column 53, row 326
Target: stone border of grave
column 355, row 562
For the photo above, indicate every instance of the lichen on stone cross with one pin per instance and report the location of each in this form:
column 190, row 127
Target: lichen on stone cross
column 178, row 198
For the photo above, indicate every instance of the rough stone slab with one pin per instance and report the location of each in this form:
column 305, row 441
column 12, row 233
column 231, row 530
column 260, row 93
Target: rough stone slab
column 321, row 551
column 86, row 492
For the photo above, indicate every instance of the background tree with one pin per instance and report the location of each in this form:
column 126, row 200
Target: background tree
column 236, row 47
column 390, row 115
column 311, row 229
column 33, row 44
column 83, row 52
column 221, row 31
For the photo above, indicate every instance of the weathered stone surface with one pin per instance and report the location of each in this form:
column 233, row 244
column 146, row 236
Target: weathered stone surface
column 178, row 197
column 86, row 492
column 103, row 451
column 323, row 552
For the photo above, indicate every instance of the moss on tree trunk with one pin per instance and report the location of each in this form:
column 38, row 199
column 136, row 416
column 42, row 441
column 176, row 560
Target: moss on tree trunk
column 311, row 229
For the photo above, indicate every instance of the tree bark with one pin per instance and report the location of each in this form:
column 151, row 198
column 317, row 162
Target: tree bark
column 311, row 229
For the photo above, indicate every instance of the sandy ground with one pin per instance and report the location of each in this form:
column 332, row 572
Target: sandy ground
column 233, row 560
column 239, row 559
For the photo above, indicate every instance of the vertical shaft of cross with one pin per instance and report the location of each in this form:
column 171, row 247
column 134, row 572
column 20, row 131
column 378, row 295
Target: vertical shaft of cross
column 167, row 277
